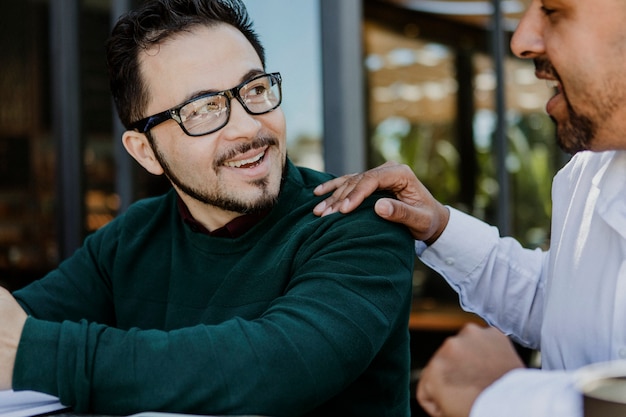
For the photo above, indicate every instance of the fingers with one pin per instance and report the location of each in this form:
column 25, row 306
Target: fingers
column 331, row 185
column 414, row 208
column 426, row 400
column 349, row 191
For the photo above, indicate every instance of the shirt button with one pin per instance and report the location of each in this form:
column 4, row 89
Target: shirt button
column 622, row 352
column 449, row 261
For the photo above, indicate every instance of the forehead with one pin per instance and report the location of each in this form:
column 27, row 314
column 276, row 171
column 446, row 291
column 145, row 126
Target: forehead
column 594, row 10
column 198, row 60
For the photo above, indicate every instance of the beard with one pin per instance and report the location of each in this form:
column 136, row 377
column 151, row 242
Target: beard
column 577, row 132
column 221, row 200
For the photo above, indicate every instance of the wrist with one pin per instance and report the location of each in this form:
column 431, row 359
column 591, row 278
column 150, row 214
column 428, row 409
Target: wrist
column 443, row 216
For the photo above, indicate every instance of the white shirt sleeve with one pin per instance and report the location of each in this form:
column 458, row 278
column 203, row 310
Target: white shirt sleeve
column 530, row 392
column 495, row 277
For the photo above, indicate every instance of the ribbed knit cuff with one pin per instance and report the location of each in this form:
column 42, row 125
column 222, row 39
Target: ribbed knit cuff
column 35, row 363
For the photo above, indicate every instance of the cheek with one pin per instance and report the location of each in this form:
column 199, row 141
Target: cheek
column 275, row 122
column 189, row 154
column 586, row 88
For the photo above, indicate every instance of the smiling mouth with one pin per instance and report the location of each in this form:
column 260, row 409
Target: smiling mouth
column 555, row 85
column 247, row 163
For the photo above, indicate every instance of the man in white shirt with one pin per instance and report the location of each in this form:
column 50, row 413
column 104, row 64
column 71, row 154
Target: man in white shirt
column 570, row 301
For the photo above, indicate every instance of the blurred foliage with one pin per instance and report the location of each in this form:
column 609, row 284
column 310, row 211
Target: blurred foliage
column 532, row 160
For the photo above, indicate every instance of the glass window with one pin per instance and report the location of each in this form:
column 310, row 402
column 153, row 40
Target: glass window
column 432, row 89
column 28, row 232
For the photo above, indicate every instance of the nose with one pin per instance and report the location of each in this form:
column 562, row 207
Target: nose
column 241, row 124
column 527, row 41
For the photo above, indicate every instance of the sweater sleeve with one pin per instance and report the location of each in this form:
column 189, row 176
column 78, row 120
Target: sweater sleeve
column 348, row 300
column 78, row 289
column 495, row 277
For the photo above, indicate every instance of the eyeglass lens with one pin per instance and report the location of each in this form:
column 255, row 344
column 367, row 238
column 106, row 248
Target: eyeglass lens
column 209, row 113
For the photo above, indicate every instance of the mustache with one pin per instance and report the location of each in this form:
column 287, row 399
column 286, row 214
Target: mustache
column 245, row 147
column 544, row 66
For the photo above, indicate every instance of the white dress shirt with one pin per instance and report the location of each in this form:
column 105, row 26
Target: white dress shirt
column 568, row 302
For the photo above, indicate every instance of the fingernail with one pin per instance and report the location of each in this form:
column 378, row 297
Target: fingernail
column 320, row 207
column 384, row 208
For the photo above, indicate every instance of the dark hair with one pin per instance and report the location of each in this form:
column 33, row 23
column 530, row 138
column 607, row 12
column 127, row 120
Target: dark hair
column 151, row 24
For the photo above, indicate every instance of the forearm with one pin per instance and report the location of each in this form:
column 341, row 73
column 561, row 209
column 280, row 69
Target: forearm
column 237, row 367
column 488, row 271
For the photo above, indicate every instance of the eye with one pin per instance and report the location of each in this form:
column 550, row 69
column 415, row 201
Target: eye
column 207, row 107
column 257, row 90
column 201, row 107
column 257, row 87
column 547, row 11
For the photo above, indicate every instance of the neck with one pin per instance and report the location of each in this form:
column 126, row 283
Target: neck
column 211, row 217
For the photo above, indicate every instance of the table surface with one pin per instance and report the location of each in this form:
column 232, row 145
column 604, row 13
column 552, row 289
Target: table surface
column 430, row 315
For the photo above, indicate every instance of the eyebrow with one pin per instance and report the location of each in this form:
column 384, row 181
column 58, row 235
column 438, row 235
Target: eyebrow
column 247, row 76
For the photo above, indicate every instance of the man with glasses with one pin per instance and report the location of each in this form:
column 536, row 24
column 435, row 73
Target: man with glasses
column 226, row 295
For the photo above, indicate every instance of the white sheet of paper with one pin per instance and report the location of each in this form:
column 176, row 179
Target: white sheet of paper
column 160, row 414
column 27, row 403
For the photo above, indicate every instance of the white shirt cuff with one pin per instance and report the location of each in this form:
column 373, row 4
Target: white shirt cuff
column 530, row 392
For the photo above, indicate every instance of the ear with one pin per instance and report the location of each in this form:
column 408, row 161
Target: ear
column 138, row 147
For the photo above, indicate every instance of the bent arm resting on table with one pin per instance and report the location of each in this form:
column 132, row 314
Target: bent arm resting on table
column 247, row 342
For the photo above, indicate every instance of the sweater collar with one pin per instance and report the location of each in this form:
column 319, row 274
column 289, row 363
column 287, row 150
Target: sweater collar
column 235, row 228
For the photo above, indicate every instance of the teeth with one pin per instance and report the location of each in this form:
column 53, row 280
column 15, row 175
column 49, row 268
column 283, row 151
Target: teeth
column 239, row 164
column 552, row 83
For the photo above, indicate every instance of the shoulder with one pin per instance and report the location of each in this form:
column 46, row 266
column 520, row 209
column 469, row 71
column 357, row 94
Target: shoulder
column 305, row 180
column 141, row 216
column 151, row 205
column 305, row 177
column 362, row 224
column 584, row 163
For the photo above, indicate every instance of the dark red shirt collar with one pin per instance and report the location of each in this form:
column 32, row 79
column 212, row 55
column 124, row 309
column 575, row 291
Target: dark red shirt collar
column 235, row 228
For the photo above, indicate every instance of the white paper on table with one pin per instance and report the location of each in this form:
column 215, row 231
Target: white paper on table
column 27, row 403
column 161, row 414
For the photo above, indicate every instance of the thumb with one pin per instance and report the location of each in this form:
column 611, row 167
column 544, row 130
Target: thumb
column 402, row 213
column 394, row 210
column 384, row 208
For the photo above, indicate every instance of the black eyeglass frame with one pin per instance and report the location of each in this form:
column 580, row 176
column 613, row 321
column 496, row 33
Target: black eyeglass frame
column 144, row 125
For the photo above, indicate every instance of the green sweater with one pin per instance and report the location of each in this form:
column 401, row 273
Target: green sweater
column 299, row 316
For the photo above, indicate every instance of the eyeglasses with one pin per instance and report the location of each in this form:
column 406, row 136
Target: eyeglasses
column 210, row 112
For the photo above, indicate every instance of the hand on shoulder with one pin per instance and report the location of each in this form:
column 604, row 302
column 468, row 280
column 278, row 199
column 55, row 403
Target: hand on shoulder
column 414, row 206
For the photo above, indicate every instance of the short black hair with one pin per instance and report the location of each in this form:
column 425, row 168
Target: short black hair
column 152, row 23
